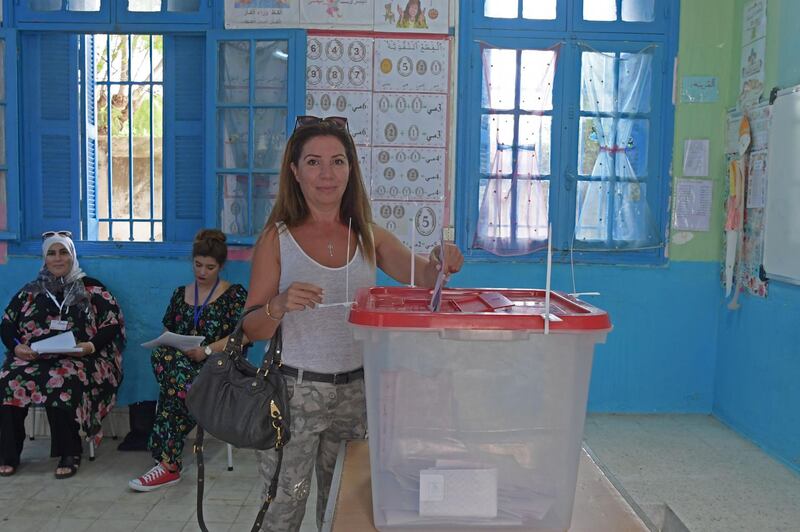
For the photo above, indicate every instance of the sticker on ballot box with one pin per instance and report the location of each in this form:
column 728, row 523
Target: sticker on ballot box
column 458, row 492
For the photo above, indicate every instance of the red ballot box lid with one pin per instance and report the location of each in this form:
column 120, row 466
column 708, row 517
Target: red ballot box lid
column 474, row 308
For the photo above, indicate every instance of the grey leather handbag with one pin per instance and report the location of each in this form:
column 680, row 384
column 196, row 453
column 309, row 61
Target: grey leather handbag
column 240, row 404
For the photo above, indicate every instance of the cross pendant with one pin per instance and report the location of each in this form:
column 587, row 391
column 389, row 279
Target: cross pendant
column 330, row 248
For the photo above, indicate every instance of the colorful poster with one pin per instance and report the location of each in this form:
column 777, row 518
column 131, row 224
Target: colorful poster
column 261, row 13
column 427, row 16
column 332, row 13
column 419, row 65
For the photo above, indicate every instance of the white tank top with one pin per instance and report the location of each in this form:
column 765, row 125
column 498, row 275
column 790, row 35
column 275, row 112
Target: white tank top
column 320, row 339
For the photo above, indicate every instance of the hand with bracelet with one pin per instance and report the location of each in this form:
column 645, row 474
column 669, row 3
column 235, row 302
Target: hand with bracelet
column 298, row 296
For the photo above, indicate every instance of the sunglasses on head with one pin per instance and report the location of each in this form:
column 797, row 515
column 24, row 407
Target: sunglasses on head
column 48, row 234
column 308, row 120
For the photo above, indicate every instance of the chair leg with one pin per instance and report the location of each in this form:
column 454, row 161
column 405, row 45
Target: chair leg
column 230, row 457
column 33, row 424
column 91, row 450
column 113, row 428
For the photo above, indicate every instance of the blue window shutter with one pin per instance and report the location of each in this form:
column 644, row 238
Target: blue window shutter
column 184, row 130
column 90, row 144
column 51, row 133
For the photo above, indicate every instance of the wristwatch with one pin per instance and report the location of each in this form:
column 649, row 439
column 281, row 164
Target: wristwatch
column 208, row 351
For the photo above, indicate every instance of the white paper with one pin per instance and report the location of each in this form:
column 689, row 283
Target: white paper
column 390, row 15
column 261, row 13
column 757, row 180
column 181, row 342
column 693, row 198
column 754, row 21
column 695, row 157
column 752, row 72
column 417, row 65
column 60, row 343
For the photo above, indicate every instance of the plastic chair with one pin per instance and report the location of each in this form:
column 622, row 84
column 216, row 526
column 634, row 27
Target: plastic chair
column 32, row 435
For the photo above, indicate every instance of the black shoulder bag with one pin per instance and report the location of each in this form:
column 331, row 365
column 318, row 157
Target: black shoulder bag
column 240, row 404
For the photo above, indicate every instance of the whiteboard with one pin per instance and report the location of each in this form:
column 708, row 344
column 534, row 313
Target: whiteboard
column 782, row 224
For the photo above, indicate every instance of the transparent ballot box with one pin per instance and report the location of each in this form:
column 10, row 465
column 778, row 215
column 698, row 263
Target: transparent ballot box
column 475, row 414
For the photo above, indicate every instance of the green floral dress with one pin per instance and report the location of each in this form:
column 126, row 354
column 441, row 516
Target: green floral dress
column 175, row 371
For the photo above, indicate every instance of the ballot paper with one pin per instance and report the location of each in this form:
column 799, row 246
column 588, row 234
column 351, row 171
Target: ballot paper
column 60, row 343
column 182, row 342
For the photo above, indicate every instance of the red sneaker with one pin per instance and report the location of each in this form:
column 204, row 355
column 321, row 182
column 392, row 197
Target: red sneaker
column 158, row 477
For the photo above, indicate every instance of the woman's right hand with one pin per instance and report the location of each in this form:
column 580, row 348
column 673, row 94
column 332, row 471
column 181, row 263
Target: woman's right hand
column 24, row 352
column 299, row 296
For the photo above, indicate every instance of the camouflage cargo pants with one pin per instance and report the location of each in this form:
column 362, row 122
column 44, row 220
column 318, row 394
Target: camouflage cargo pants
column 322, row 416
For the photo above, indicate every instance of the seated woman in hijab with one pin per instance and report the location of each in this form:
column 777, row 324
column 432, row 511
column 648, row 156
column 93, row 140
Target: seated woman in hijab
column 76, row 388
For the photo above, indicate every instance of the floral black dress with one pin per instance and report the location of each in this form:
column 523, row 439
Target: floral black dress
column 88, row 385
column 175, row 371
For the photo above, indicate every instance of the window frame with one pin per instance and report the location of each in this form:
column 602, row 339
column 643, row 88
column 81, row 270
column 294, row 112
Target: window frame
column 13, row 211
column 202, row 17
column 564, row 145
column 295, row 104
column 24, row 14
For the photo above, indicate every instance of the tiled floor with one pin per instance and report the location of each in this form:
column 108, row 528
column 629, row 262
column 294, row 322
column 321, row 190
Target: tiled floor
column 712, row 479
column 98, row 499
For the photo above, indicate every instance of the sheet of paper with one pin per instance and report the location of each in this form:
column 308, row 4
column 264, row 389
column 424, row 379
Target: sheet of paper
column 695, row 158
column 752, row 72
column 693, row 198
column 181, row 342
column 754, row 21
column 757, row 180
column 60, row 343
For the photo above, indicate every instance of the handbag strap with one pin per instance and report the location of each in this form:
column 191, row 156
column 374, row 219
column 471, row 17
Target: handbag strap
column 273, row 355
column 271, row 492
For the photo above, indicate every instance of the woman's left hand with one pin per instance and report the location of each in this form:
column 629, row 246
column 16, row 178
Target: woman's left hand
column 87, row 348
column 197, row 354
column 453, row 258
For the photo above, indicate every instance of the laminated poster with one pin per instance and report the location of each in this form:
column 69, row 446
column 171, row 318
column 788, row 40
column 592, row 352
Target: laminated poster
column 261, row 13
column 425, row 16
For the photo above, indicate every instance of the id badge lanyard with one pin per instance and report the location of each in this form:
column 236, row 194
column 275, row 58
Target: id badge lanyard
column 59, row 324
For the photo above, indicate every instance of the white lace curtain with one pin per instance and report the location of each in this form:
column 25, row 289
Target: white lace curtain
column 612, row 211
column 513, row 212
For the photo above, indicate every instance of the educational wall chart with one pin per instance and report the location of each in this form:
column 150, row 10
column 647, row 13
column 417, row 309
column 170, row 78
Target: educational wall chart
column 407, row 16
column 749, row 266
column 428, row 16
column 754, row 48
column 261, row 13
column 394, row 95
column 333, row 12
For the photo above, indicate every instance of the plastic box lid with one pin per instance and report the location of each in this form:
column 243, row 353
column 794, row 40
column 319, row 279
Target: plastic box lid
column 474, row 308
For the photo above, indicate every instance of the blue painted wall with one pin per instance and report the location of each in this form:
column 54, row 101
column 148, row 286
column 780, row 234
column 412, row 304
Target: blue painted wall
column 143, row 288
column 641, row 368
column 757, row 380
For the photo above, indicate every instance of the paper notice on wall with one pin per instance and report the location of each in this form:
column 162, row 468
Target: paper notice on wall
column 332, row 13
column 752, row 73
column 754, row 21
column 693, row 199
column 425, row 16
column 695, row 157
column 757, row 180
column 261, row 13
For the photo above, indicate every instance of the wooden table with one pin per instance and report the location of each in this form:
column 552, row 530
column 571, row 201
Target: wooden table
column 599, row 505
